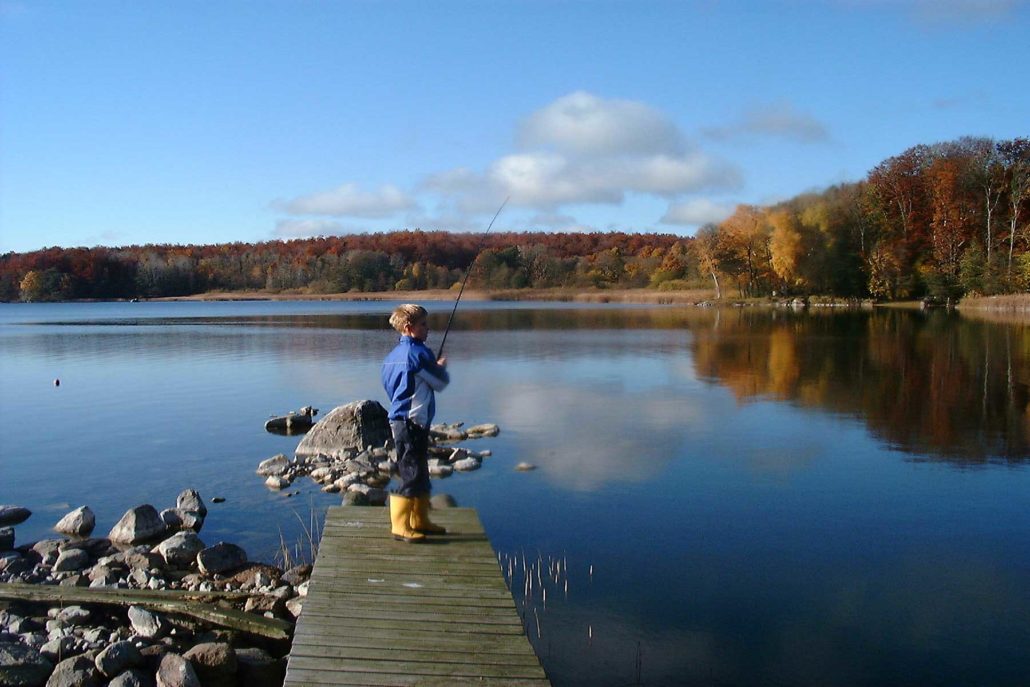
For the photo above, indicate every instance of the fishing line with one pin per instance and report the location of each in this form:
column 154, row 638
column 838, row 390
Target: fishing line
column 468, row 271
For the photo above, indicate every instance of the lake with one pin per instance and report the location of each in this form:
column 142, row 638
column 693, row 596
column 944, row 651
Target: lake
column 722, row 497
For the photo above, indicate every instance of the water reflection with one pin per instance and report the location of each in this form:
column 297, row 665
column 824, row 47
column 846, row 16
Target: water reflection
column 939, row 386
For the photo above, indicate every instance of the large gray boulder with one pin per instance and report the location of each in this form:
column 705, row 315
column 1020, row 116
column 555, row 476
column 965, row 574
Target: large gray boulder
column 147, row 624
column 23, row 666
column 133, row 677
column 118, row 657
column 346, row 430
column 179, row 519
column 176, row 671
column 180, row 550
column 138, row 524
column 77, row 671
column 220, row 558
column 190, row 500
column 215, row 663
column 80, row 521
column 71, row 559
column 12, row 515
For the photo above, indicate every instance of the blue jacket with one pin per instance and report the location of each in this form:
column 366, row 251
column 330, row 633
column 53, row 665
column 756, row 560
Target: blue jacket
column 411, row 377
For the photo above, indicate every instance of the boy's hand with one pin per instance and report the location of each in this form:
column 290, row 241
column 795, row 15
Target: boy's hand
column 442, row 361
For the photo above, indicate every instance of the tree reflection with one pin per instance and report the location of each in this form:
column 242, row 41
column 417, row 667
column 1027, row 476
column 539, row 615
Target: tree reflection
column 938, row 385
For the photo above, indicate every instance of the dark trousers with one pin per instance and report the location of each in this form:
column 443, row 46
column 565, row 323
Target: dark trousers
column 412, row 443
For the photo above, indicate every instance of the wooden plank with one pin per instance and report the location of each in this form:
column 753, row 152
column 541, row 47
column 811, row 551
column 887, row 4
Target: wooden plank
column 398, row 664
column 309, row 677
column 169, row 601
column 383, row 612
column 420, row 653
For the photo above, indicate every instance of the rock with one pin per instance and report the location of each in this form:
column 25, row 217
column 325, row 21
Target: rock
column 265, row 604
column 294, row 422
column 525, row 467
column 467, row 464
column 442, row 501
column 71, row 559
column 147, row 624
column 138, row 524
column 221, row 557
column 59, row 648
column 439, row 469
column 354, row 426
column 179, row 519
column 80, row 521
column 255, row 668
column 48, row 550
column 77, row 671
column 176, row 671
column 484, row 430
column 215, row 663
column 23, row 666
column 74, row 615
column 218, row 499
column 354, row 498
column 142, row 557
column 445, row 433
column 276, row 465
column 96, row 546
column 255, row 575
column 180, row 550
column 152, row 656
column 190, row 500
column 8, row 558
column 297, row 574
column 347, row 480
column 134, row 677
column 76, row 580
column 103, row 575
column 6, row 538
column 295, row 606
column 275, row 482
column 12, row 515
column 118, row 657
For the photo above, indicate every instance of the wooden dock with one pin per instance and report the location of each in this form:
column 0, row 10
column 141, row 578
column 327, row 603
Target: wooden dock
column 383, row 612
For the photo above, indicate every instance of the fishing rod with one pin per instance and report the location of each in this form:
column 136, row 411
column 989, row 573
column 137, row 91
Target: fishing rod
column 468, row 271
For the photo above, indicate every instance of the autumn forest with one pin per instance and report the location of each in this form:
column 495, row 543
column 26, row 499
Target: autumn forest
column 938, row 221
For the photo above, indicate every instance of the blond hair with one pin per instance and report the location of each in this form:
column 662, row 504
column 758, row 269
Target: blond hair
column 406, row 315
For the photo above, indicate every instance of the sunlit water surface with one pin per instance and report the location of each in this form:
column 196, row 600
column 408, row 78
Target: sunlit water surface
column 722, row 498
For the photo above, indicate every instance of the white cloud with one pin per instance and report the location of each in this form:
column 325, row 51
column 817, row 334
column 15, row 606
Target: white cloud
column 303, row 228
column 697, row 211
column 582, row 124
column 349, row 200
column 774, row 120
column 579, row 149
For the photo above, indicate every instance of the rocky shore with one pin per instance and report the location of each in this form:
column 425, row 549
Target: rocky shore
column 158, row 559
column 350, row 451
column 152, row 604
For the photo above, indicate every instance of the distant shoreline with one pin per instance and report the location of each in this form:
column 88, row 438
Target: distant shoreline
column 631, row 296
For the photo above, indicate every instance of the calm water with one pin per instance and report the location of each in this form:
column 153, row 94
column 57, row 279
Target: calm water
column 735, row 497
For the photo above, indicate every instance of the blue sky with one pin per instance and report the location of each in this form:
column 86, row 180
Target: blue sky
column 201, row 122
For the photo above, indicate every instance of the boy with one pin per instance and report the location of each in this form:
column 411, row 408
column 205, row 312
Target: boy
column 411, row 376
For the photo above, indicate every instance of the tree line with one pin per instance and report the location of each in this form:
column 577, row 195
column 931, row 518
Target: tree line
column 941, row 220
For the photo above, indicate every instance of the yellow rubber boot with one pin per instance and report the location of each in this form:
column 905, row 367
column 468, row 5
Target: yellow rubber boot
column 420, row 518
column 400, row 516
